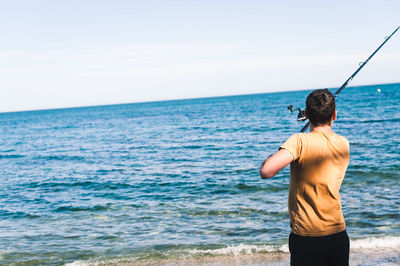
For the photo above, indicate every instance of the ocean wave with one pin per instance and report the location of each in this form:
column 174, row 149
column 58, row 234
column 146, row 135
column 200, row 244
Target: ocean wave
column 83, row 208
column 350, row 121
column 372, row 243
column 11, row 156
column 242, row 249
column 107, row 185
column 17, row 215
column 61, row 158
column 363, row 250
column 386, row 242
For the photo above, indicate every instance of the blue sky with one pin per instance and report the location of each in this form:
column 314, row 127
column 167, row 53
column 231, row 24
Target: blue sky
column 76, row 53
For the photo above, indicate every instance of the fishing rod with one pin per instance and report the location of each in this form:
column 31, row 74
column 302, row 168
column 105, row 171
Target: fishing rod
column 301, row 115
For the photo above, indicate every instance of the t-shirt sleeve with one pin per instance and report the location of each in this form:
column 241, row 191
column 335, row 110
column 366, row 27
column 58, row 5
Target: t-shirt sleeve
column 293, row 145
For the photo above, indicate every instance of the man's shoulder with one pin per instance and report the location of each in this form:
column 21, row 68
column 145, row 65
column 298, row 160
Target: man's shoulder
column 319, row 137
column 302, row 138
column 298, row 136
column 342, row 143
column 343, row 138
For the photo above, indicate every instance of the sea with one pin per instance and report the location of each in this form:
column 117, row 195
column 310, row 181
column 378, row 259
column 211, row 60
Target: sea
column 177, row 182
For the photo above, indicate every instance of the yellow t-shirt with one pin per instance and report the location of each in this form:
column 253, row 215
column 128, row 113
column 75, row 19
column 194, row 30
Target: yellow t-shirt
column 316, row 173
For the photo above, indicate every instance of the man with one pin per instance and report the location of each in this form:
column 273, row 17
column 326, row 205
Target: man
column 318, row 162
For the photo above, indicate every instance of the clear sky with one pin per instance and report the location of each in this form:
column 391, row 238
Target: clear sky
column 67, row 53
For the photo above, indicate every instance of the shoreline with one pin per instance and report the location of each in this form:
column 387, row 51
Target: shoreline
column 357, row 257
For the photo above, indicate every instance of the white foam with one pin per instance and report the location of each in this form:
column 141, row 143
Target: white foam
column 101, row 217
column 386, row 242
column 77, row 263
column 391, row 242
column 242, row 249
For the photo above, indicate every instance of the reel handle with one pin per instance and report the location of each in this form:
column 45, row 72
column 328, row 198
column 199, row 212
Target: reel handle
column 301, row 116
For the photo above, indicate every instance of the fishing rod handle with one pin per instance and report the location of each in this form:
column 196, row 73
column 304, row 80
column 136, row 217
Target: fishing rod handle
column 305, row 127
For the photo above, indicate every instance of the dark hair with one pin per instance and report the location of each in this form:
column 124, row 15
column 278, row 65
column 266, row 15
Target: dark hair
column 320, row 107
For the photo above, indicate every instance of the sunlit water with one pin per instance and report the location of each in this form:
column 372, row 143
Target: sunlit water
column 179, row 179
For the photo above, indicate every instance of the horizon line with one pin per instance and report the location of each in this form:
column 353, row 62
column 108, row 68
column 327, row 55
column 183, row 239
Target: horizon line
column 181, row 99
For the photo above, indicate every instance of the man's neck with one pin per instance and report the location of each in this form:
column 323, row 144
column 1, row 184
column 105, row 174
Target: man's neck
column 324, row 128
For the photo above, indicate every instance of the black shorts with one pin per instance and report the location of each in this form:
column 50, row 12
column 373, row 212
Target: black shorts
column 319, row 250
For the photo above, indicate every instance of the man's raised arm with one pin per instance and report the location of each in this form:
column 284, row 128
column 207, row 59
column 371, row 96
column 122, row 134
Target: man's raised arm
column 276, row 162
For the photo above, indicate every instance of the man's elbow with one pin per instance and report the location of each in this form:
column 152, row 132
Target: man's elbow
column 265, row 173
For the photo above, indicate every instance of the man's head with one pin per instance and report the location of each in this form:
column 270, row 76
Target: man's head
column 320, row 107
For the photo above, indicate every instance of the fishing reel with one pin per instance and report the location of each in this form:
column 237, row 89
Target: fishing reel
column 301, row 116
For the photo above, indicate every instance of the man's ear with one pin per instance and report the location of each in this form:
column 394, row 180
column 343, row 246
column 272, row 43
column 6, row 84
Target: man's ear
column 334, row 116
